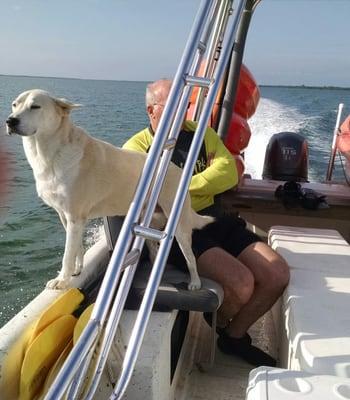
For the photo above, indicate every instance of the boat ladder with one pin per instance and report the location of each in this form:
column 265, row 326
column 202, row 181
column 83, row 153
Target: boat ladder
column 214, row 28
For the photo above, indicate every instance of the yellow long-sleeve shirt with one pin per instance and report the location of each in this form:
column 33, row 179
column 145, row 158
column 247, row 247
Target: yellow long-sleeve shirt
column 219, row 175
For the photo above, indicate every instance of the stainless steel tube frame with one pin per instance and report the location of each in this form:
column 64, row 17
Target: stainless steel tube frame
column 157, row 271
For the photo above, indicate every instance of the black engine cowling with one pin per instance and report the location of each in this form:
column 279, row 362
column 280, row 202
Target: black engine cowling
column 286, row 158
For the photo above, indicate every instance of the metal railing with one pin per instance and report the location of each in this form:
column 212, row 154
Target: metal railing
column 99, row 333
column 334, row 144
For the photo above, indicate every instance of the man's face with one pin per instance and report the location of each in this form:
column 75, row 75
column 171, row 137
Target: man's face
column 155, row 110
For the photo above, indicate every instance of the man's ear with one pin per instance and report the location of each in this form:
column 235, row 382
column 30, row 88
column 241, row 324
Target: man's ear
column 65, row 105
column 149, row 110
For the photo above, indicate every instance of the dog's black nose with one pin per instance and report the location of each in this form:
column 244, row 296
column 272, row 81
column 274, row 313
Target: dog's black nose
column 12, row 122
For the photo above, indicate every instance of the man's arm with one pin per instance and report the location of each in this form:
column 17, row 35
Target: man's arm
column 221, row 174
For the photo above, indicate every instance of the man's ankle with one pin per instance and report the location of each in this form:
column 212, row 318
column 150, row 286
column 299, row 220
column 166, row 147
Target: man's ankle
column 234, row 333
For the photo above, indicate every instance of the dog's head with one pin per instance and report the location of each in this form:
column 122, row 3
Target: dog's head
column 36, row 111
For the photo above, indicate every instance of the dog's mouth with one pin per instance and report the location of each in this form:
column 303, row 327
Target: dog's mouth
column 10, row 131
column 16, row 131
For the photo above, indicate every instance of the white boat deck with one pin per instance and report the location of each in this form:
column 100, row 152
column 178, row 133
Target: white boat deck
column 310, row 254
column 228, row 378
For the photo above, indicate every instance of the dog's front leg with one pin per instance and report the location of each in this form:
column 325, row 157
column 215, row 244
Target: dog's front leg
column 80, row 254
column 183, row 236
column 79, row 261
column 72, row 255
column 63, row 219
column 184, row 240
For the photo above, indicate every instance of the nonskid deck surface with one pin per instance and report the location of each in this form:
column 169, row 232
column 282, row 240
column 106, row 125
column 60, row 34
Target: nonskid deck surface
column 228, row 378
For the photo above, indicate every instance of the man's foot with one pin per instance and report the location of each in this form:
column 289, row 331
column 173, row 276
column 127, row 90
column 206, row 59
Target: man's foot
column 243, row 348
column 208, row 319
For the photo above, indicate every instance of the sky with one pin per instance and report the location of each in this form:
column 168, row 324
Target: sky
column 290, row 42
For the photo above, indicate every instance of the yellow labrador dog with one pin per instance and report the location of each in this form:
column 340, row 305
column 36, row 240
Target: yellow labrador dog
column 83, row 178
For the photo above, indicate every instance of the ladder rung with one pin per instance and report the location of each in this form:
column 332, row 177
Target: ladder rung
column 131, row 258
column 202, row 47
column 198, row 81
column 170, row 144
column 149, row 233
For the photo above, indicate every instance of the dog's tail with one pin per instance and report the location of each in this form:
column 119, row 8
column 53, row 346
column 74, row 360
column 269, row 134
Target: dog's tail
column 200, row 221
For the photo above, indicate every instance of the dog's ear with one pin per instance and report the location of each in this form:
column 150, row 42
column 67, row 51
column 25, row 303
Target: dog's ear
column 65, row 105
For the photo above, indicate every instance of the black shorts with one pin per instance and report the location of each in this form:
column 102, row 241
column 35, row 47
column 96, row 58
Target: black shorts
column 228, row 232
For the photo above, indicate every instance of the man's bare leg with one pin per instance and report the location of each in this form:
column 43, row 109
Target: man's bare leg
column 271, row 276
column 245, row 299
column 235, row 278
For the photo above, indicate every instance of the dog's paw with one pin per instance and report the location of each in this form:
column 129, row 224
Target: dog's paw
column 57, row 284
column 77, row 269
column 195, row 284
column 79, row 262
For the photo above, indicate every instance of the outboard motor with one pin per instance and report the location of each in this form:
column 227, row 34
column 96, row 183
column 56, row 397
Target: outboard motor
column 286, row 158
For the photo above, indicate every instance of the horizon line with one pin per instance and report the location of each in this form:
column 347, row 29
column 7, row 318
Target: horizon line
column 129, row 80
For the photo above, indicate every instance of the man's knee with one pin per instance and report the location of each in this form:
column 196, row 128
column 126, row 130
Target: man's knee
column 236, row 279
column 284, row 272
column 276, row 277
column 270, row 270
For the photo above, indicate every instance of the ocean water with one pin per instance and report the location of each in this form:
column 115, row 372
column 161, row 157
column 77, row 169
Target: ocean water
column 31, row 236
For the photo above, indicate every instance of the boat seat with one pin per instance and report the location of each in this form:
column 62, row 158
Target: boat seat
column 266, row 383
column 172, row 293
column 315, row 305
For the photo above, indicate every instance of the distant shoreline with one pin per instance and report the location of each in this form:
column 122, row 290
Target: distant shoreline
column 329, row 87
column 308, row 87
column 62, row 77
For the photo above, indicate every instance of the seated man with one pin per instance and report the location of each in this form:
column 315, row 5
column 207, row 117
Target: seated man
column 252, row 275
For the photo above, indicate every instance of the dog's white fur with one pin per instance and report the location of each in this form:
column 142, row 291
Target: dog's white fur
column 83, row 178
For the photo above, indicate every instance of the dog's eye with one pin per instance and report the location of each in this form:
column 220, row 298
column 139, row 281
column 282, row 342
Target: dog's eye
column 34, row 107
column 14, row 105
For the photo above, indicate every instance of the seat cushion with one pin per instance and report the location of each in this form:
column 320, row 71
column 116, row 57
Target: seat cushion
column 316, row 301
column 173, row 293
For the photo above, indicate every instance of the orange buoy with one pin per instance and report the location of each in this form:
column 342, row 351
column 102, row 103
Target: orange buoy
column 238, row 135
column 248, row 94
column 247, row 98
column 239, row 164
column 193, row 99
